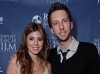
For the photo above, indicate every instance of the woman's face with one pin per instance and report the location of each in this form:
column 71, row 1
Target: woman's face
column 34, row 42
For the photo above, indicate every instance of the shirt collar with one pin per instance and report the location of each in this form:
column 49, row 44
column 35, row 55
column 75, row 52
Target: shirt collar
column 73, row 46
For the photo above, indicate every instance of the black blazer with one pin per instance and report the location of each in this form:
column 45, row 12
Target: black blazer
column 84, row 61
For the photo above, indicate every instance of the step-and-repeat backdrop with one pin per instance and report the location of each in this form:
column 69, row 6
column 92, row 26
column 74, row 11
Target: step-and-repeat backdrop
column 16, row 14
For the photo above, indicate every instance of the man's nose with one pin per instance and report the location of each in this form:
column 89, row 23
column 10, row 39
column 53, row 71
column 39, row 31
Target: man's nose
column 61, row 26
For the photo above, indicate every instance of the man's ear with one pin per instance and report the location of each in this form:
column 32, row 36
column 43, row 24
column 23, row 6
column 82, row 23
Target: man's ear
column 51, row 30
column 71, row 25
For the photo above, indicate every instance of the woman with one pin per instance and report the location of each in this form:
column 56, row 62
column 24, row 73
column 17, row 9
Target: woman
column 32, row 53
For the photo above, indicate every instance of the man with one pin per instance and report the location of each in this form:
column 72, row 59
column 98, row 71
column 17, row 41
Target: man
column 81, row 57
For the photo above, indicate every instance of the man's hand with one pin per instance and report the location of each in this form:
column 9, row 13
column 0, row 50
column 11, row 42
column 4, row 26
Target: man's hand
column 14, row 55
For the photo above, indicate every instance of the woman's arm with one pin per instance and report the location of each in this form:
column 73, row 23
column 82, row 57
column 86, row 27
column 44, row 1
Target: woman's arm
column 12, row 66
column 49, row 68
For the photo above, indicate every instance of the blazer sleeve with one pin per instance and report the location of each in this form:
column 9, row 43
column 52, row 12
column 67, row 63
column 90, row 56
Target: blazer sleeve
column 94, row 64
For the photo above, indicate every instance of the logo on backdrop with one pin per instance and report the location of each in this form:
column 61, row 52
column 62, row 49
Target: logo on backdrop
column 1, row 20
column 98, row 2
column 97, row 44
column 61, row 1
column 99, row 19
column 7, row 43
column 39, row 19
column 8, row 0
column 1, row 70
column 52, row 41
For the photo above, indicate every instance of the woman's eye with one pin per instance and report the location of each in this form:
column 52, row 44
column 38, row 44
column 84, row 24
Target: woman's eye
column 40, row 39
column 31, row 39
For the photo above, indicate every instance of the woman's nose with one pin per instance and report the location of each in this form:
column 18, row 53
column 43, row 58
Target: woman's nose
column 35, row 42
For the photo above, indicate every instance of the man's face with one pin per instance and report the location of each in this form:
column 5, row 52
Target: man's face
column 61, row 25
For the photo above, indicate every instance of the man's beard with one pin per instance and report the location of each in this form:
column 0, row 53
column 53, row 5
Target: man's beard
column 63, row 40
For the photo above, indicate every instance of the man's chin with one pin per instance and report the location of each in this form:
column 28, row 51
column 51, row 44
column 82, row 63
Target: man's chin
column 63, row 40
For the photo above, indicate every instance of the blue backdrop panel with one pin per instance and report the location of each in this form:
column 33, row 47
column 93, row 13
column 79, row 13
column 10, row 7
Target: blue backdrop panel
column 16, row 14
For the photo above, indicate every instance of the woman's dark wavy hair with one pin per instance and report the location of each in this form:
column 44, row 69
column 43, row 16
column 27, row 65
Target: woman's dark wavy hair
column 55, row 7
column 23, row 58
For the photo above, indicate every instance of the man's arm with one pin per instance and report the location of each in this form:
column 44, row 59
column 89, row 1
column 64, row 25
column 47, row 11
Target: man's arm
column 94, row 64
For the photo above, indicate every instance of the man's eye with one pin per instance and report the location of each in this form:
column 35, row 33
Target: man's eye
column 55, row 23
column 65, row 20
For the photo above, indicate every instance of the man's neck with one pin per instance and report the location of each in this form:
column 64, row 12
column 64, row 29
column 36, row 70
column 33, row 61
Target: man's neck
column 64, row 45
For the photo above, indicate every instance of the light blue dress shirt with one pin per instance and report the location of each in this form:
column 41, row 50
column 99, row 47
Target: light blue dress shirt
column 72, row 47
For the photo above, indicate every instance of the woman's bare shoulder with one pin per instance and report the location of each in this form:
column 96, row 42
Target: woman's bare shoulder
column 12, row 66
column 49, row 67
